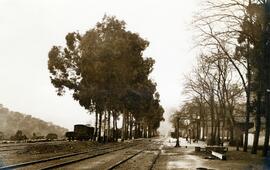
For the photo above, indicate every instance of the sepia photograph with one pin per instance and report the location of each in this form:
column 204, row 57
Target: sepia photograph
column 134, row 85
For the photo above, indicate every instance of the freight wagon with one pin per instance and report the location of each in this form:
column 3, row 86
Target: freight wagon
column 81, row 132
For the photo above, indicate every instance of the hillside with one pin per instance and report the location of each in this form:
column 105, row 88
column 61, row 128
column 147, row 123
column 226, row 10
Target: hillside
column 11, row 122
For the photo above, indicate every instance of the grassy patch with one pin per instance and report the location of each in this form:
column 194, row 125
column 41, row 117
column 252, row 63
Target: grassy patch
column 58, row 147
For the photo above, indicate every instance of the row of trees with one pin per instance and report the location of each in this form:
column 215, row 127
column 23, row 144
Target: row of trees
column 108, row 75
column 19, row 136
column 235, row 39
column 214, row 102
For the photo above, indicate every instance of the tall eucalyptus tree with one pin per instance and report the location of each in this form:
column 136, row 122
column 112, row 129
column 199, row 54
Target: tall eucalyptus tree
column 101, row 67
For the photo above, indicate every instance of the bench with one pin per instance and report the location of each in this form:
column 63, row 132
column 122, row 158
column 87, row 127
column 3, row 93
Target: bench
column 221, row 156
column 216, row 151
column 219, row 149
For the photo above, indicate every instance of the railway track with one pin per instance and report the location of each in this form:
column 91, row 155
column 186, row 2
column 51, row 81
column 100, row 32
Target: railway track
column 72, row 158
column 155, row 160
column 121, row 162
column 60, row 161
column 125, row 160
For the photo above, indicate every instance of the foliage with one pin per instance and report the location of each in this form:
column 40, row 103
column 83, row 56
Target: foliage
column 51, row 136
column 105, row 70
column 18, row 136
column 238, row 31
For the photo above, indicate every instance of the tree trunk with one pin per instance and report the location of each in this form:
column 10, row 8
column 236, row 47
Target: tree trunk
column 232, row 141
column 203, row 128
column 144, row 131
column 130, row 126
column 267, row 126
column 99, row 128
column 117, row 132
column 136, row 130
column 139, row 130
column 206, row 129
column 212, row 120
column 258, row 125
column 123, row 128
column 215, row 132
column 218, row 132
column 96, row 127
column 198, row 130
column 228, row 135
column 126, row 126
column 223, row 127
column 104, row 128
column 266, row 76
column 247, row 118
column 247, row 97
column 113, row 128
column 109, row 127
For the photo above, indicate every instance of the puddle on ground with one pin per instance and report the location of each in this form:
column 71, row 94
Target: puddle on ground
column 178, row 164
column 186, row 161
column 171, row 154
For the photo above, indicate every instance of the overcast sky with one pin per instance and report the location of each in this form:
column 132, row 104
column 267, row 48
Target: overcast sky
column 29, row 28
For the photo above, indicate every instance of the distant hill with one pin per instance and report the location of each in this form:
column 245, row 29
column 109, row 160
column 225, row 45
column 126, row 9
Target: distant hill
column 11, row 122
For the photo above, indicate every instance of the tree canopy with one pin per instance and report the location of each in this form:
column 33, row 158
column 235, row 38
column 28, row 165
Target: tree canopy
column 105, row 69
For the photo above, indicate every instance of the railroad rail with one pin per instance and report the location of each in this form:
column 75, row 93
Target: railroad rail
column 58, row 165
column 79, row 156
column 71, row 158
column 155, row 160
column 125, row 160
column 135, row 154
